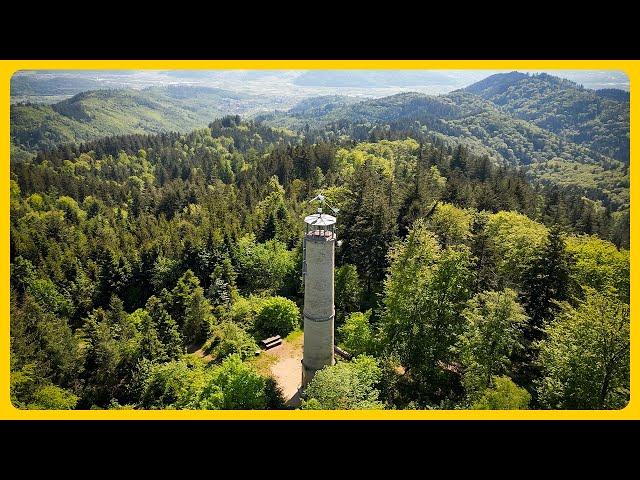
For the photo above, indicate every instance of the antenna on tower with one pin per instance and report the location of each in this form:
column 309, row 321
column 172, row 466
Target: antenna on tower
column 323, row 201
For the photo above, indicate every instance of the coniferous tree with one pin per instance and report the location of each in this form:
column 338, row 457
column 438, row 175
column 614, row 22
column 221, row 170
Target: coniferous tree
column 546, row 281
column 369, row 227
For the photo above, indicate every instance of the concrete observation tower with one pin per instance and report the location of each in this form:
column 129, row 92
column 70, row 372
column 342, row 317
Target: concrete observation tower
column 317, row 273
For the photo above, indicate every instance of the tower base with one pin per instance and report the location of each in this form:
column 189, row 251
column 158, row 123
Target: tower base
column 308, row 373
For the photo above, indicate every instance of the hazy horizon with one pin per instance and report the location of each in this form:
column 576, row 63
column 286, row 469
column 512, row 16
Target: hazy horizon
column 293, row 84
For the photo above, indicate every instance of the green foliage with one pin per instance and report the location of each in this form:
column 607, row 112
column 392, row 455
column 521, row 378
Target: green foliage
column 503, row 394
column 44, row 342
column 50, row 299
column 229, row 338
column 51, row 397
column 263, row 267
column 165, row 327
column 244, row 311
column 428, row 187
column 23, row 274
column 165, row 273
column 491, row 336
column 187, row 384
column 348, row 290
column 515, row 241
column 546, row 280
column 345, row 386
column 452, row 225
column 277, row 316
column 425, row 293
column 357, row 335
column 273, row 218
column 112, row 348
column 127, row 250
column 600, row 265
column 388, row 158
column 234, row 386
column 602, row 182
column 585, row 355
column 368, row 228
column 222, row 290
column 150, row 345
column 72, row 211
column 188, row 304
column 171, row 384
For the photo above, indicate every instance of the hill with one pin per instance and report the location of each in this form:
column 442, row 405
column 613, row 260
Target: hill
column 486, row 128
column 322, row 105
column 557, row 130
column 598, row 119
column 100, row 113
column 28, row 85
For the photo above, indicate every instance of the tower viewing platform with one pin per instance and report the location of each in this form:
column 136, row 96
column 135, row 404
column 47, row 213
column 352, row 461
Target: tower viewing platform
column 320, row 226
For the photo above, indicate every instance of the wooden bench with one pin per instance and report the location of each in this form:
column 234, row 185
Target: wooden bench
column 271, row 342
column 343, row 353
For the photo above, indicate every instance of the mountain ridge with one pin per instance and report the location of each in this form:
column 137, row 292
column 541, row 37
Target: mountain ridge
column 488, row 128
column 597, row 120
column 105, row 112
column 549, row 125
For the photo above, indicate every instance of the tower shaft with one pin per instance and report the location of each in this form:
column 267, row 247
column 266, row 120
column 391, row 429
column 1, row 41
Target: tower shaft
column 319, row 311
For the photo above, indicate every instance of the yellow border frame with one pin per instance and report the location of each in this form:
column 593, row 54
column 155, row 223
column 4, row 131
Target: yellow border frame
column 8, row 68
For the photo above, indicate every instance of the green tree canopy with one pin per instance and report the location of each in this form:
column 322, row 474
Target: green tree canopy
column 228, row 338
column 585, row 355
column 277, row 316
column 503, row 394
column 345, row 386
column 515, row 240
column 425, row 293
column 348, row 290
column 263, row 266
column 452, row 225
column 599, row 264
column 357, row 335
column 546, row 280
column 492, row 334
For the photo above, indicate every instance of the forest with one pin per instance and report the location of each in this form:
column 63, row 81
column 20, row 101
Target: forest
column 460, row 282
column 540, row 122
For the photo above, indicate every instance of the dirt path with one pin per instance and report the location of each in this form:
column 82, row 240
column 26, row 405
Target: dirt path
column 286, row 367
column 283, row 363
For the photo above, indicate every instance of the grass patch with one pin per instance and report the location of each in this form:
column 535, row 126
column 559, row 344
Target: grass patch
column 294, row 336
column 262, row 363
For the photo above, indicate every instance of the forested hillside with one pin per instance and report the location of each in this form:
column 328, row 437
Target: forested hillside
column 519, row 127
column 23, row 86
column 596, row 119
column 100, row 113
column 559, row 132
column 459, row 283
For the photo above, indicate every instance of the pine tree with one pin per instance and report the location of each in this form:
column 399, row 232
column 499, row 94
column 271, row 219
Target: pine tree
column 459, row 159
column 545, row 281
column 268, row 230
column 369, row 227
column 166, row 328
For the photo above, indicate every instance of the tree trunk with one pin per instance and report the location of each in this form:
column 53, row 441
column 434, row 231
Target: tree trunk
column 605, row 387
